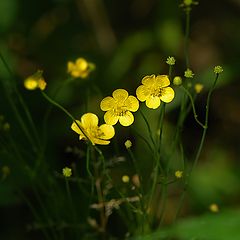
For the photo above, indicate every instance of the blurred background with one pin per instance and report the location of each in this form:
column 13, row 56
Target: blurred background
column 126, row 40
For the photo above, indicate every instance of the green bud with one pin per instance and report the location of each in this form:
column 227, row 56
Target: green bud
column 177, row 80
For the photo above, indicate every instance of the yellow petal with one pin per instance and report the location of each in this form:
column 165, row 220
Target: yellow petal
column 167, row 94
column 89, row 120
column 132, row 104
column 70, row 66
column 142, row 93
column 107, row 103
column 148, row 80
column 82, row 64
column 120, row 95
column 153, row 102
column 107, row 130
column 75, row 127
column 162, row 81
column 127, row 119
column 42, row 84
column 30, row 83
column 100, row 141
column 110, row 117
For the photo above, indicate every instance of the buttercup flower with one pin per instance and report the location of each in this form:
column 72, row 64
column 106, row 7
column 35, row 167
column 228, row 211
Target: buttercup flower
column 125, row 178
column 154, row 90
column 198, row 87
column 214, row 208
column 119, row 107
column 35, row 81
column 96, row 134
column 81, row 68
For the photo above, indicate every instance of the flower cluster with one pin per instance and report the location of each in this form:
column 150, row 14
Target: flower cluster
column 35, row 81
column 80, row 68
column 120, row 107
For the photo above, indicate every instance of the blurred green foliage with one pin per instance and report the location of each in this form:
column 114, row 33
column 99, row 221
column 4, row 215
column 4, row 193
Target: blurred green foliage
column 126, row 40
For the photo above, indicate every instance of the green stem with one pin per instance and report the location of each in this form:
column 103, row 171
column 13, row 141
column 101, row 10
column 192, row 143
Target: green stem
column 24, row 106
column 193, row 106
column 88, row 160
column 65, row 111
column 148, row 127
column 187, row 30
column 200, row 145
column 72, row 209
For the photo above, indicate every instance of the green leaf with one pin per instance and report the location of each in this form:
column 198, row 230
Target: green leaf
column 211, row 226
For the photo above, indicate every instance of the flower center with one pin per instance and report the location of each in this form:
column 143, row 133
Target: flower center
column 120, row 110
column 157, row 92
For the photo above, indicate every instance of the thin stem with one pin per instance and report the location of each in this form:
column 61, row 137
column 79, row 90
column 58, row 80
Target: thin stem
column 187, row 30
column 65, row 111
column 200, row 145
column 144, row 139
column 148, row 127
column 72, row 208
column 24, row 106
column 193, row 106
column 88, row 160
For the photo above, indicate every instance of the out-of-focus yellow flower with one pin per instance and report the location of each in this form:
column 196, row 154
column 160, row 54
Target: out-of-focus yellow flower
column 91, row 131
column 198, row 87
column 128, row 144
column 119, row 107
column 80, row 68
column 154, row 90
column 125, row 178
column 178, row 174
column 35, row 81
column 214, row 208
column 67, row 172
column 5, row 171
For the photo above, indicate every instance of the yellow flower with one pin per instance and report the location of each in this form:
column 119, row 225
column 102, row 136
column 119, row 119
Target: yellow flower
column 35, row 81
column 198, row 87
column 125, row 178
column 91, row 131
column 119, row 107
column 214, row 208
column 154, row 90
column 67, row 172
column 81, row 68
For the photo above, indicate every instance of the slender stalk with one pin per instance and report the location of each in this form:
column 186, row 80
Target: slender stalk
column 187, row 30
column 65, row 111
column 72, row 208
column 200, row 145
column 148, row 127
column 23, row 104
column 193, row 106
